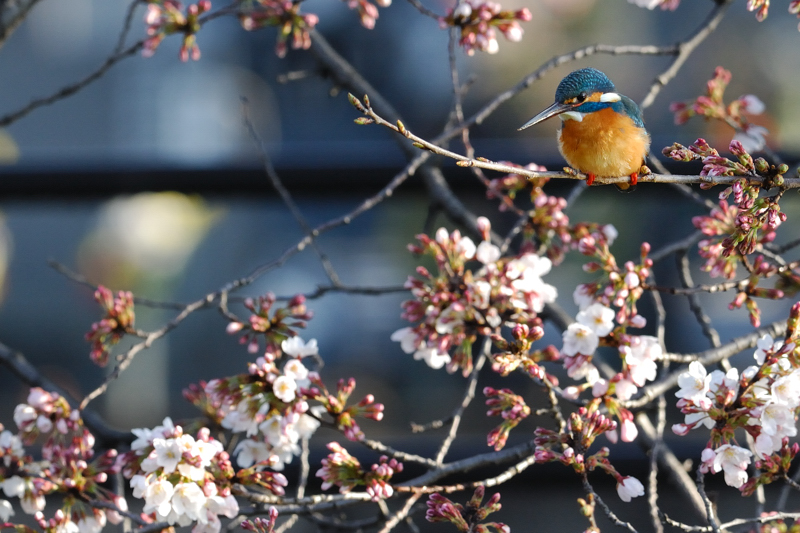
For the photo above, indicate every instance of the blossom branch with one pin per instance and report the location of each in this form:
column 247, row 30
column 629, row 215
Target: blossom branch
column 463, row 161
column 345, row 75
column 517, row 452
column 126, row 25
column 706, row 358
column 28, row 374
column 82, row 280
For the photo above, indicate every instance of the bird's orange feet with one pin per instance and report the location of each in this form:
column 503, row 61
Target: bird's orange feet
column 590, row 178
column 634, row 179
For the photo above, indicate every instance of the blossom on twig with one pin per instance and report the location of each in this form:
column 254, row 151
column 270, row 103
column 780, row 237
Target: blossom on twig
column 478, row 19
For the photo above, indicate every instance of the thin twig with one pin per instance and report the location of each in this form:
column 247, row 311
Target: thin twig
column 285, row 195
column 7, row 28
column 126, row 26
column 82, row 280
column 69, row 90
column 685, row 49
column 469, row 395
column 703, row 319
column 464, row 161
column 606, row 509
column 711, row 516
column 401, row 513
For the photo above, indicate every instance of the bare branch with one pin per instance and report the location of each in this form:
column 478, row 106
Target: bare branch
column 685, row 49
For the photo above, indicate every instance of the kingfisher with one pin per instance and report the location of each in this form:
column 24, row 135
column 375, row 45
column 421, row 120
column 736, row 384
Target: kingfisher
column 602, row 132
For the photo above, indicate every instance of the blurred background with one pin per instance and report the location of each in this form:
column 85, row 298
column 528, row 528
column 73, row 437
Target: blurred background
column 147, row 180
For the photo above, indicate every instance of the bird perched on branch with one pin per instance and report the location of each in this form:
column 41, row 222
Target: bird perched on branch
column 602, row 131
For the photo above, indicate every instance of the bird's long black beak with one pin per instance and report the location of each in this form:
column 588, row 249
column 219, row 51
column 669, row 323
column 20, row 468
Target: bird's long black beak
column 553, row 110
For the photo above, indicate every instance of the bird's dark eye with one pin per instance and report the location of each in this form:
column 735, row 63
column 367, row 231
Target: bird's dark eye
column 582, row 96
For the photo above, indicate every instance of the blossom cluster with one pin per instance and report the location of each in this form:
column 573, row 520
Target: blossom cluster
column 343, row 470
column 262, row 525
column 547, row 226
column 367, row 12
column 762, row 400
column 118, row 321
column 571, row 448
column 272, row 322
column 345, row 416
column 165, row 17
column 638, row 353
column 518, row 353
column 182, row 479
column 285, row 15
column 620, row 287
column 456, row 304
column 267, row 405
column 467, row 517
column 478, row 19
column 69, row 468
column 736, row 231
column 711, row 106
column 511, row 407
column 750, row 222
column 761, row 7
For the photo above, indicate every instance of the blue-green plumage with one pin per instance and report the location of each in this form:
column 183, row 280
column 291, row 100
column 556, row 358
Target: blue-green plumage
column 603, row 131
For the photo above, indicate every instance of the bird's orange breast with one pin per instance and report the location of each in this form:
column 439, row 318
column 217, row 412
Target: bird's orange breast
column 605, row 143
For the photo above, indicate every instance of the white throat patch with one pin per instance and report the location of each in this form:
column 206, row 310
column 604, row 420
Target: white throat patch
column 571, row 115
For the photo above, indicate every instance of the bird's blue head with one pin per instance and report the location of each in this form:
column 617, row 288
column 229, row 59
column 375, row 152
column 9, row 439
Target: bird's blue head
column 585, row 91
column 579, row 85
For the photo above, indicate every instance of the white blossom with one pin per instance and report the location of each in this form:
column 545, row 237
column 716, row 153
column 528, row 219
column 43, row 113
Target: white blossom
column 188, row 499
column 432, row 357
column 295, row 369
column 93, row 523
column 13, row 486
column 582, row 297
column 408, row 339
column 167, row 454
column 629, row 488
column 251, row 452
column 158, row 496
column 6, row 510
column 466, row 247
column 598, row 318
column 32, row 504
column 284, row 388
column 694, row 383
column 296, row 347
column 487, row 253
column 579, row 338
column 733, row 462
